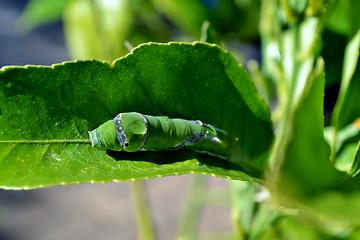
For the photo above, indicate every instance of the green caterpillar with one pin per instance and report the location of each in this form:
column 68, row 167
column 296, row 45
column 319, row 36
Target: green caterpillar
column 133, row 132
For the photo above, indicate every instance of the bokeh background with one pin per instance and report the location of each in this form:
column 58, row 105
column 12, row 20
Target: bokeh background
column 106, row 211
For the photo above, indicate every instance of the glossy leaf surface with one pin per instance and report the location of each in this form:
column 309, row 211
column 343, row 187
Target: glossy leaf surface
column 191, row 81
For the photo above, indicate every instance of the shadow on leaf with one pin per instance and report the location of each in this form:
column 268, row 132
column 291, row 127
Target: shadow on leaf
column 171, row 157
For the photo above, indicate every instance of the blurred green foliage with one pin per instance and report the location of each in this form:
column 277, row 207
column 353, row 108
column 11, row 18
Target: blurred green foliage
column 103, row 29
column 306, row 46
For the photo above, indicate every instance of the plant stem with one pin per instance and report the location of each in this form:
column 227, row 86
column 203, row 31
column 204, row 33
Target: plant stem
column 143, row 217
column 191, row 214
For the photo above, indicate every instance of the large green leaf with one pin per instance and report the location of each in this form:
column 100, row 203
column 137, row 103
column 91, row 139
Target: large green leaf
column 65, row 101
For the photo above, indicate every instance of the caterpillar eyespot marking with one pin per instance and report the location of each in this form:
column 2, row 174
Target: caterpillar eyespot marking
column 132, row 132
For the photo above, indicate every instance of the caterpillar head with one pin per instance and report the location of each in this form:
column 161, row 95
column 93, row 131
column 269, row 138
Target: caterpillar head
column 131, row 131
column 126, row 132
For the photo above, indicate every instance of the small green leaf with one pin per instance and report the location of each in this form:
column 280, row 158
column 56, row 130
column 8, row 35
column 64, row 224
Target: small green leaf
column 97, row 29
column 355, row 168
column 295, row 228
column 345, row 159
column 191, row 81
column 347, row 108
column 339, row 19
column 344, row 17
column 187, row 14
column 252, row 212
column 39, row 12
